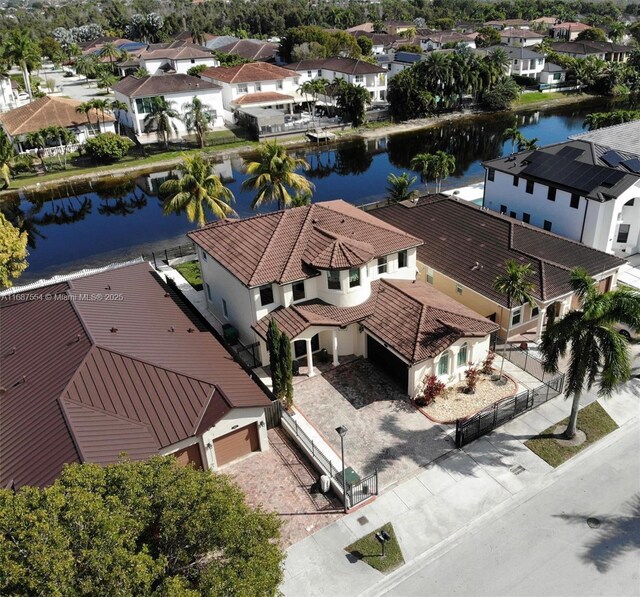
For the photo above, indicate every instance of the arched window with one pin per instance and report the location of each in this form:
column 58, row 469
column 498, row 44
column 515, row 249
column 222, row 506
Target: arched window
column 462, row 355
column 443, row 364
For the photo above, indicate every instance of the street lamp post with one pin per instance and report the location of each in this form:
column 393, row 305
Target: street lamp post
column 342, row 431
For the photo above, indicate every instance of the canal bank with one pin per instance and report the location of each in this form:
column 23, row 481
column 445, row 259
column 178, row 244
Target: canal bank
column 115, row 173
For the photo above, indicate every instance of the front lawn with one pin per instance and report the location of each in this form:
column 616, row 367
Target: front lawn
column 190, row 271
column 593, row 420
column 369, row 550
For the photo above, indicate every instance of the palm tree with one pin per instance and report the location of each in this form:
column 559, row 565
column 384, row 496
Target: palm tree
column 514, row 135
column 87, row 65
column 596, row 350
column 63, row 137
column 274, row 174
column 117, row 107
column 198, row 118
column 112, row 52
column 516, row 285
column 101, row 107
column 398, row 188
column 106, row 79
column 196, row 189
column 161, row 119
column 20, row 49
column 423, row 163
column 38, row 140
column 444, row 165
column 86, row 108
column 525, row 144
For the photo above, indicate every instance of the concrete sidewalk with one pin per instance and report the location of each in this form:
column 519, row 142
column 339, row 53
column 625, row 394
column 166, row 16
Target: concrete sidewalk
column 452, row 493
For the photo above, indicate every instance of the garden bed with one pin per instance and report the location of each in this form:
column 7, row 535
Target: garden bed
column 191, row 273
column 454, row 403
column 369, row 550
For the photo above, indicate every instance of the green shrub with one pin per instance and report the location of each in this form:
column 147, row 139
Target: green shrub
column 501, row 96
column 107, row 147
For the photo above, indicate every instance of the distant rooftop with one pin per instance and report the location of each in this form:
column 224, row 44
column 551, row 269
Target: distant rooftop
column 621, row 137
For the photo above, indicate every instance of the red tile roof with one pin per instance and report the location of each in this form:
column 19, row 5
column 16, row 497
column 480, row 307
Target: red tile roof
column 86, row 374
column 281, row 246
column 261, row 97
column 413, row 318
column 251, row 49
column 247, row 73
column 470, row 245
column 154, row 85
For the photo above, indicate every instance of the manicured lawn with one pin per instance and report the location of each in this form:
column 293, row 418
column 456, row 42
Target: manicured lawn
column 538, row 96
column 369, row 550
column 191, row 273
column 592, row 419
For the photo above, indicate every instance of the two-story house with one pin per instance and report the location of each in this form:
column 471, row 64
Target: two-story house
column 356, row 72
column 438, row 40
column 465, row 248
column 604, row 50
column 336, row 278
column 254, row 85
column 522, row 61
column 520, row 37
column 568, row 31
column 499, row 25
column 138, row 94
column 586, row 189
column 176, row 57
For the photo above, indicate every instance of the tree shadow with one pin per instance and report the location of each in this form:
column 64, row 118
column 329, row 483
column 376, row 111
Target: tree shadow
column 615, row 536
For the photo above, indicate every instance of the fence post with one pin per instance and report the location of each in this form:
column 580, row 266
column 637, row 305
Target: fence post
column 526, row 358
column 166, row 257
column 313, row 449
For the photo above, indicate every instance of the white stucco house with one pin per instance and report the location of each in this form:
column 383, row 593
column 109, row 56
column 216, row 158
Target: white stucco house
column 520, row 37
column 586, row 189
column 176, row 57
column 179, row 89
column 522, row 61
column 438, row 40
column 356, row 72
column 336, row 279
column 8, row 95
column 552, row 74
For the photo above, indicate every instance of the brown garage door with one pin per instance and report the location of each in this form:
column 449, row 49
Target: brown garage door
column 237, row 443
column 190, row 455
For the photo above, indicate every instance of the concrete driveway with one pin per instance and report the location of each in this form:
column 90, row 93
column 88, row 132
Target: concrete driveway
column 385, row 431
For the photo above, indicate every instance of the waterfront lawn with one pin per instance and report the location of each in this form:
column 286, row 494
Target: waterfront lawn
column 538, row 96
column 190, row 271
column 592, row 419
column 370, row 551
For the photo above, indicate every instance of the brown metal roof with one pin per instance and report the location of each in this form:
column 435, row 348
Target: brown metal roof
column 339, row 64
column 413, row 318
column 275, row 247
column 470, row 245
column 151, row 86
column 139, row 360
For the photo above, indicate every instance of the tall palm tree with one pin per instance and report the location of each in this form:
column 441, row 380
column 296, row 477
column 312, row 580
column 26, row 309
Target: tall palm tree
column 515, row 283
column 597, row 352
column 112, row 52
column 20, row 49
column 161, row 119
column 63, row 137
column 38, row 140
column 106, row 79
column 195, row 190
column 117, row 107
column 101, row 106
column 87, row 65
column 86, row 108
column 198, row 118
column 525, row 144
column 444, row 165
column 399, row 189
column 423, row 163
column 514, row 135
column 274, row 174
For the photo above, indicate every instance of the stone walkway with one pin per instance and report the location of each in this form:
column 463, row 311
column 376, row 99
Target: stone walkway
column 283, row 481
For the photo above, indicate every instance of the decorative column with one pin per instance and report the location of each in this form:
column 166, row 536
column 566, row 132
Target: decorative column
column 540, row 322
column 336, row 362
column 310, row 371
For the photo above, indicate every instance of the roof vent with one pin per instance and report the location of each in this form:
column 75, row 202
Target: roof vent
column 476, row 266
column 172, row 329
column 191, row 330
column 166, row 294
column 23, row 379
column 77, row 338
column 114, row 330
column 314, row 221
column 108, row 287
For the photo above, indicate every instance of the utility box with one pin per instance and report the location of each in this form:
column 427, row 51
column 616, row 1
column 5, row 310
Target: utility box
column 325, row 483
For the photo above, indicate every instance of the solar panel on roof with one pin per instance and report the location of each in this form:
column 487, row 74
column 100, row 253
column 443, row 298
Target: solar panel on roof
column 633, row 165
column 612, row 158
column 570, row 153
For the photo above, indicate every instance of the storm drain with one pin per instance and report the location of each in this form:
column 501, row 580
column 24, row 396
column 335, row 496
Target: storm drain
column 516, row 470
column 363, row 520
column 593, row 523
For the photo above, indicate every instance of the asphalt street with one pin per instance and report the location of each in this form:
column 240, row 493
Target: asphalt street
column 578, row 536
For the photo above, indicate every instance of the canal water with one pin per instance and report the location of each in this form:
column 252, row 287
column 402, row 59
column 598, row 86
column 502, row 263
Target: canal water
column 88, row 227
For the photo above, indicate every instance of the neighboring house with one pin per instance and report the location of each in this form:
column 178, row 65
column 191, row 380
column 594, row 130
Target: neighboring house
column 403, row 61
column 381, row 42
column 336, row 278
column 53, row 111
column 177, row 57
column 567, row 31
column 604, row 50
column 8, row 95
column 123, row 44
column 438, row 40
column 178, row 89
column 397, row 27
column 85, row 379
column 251, row 49
column 509, row 24
column 465, row 248
column 356, row 72
column 587, row 189
column 520, row 37
column 522, row 61
column 552, row 74
column 254, row 85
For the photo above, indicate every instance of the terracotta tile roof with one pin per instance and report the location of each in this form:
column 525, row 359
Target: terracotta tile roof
column 413, row 318
column 347, row 66
column 251, row 49
column 524, row 33
column 261, row 97
column 327, row 250
column 247, row 73
column 43, row 112
column 72, row 366
column 133, row 86
column 177, row 51
column 589, row 47
column 470, row 245
column 573, row 26
column 275, row 247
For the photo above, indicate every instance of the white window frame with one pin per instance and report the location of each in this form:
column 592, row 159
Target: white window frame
column 444, row 358
column 382, row 265
column 516, row 312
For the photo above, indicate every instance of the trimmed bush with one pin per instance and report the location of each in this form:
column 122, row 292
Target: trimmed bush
column 107, row 147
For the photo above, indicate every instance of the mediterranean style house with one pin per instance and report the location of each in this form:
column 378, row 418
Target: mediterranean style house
column 113, row 363
column 465, row 248
column 337, row 279
column 586, row 189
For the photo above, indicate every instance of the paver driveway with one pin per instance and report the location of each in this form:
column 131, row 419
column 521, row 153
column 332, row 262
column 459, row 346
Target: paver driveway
column 385, row 431
column 283, row 481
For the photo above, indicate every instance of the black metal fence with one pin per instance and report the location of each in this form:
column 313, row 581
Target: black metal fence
column 528, row 362
column 166, row 255
column 363, row 489
column 468, row 430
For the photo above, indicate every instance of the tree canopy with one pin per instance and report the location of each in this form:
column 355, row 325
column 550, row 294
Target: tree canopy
column 13, row 253
column 137, row 528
